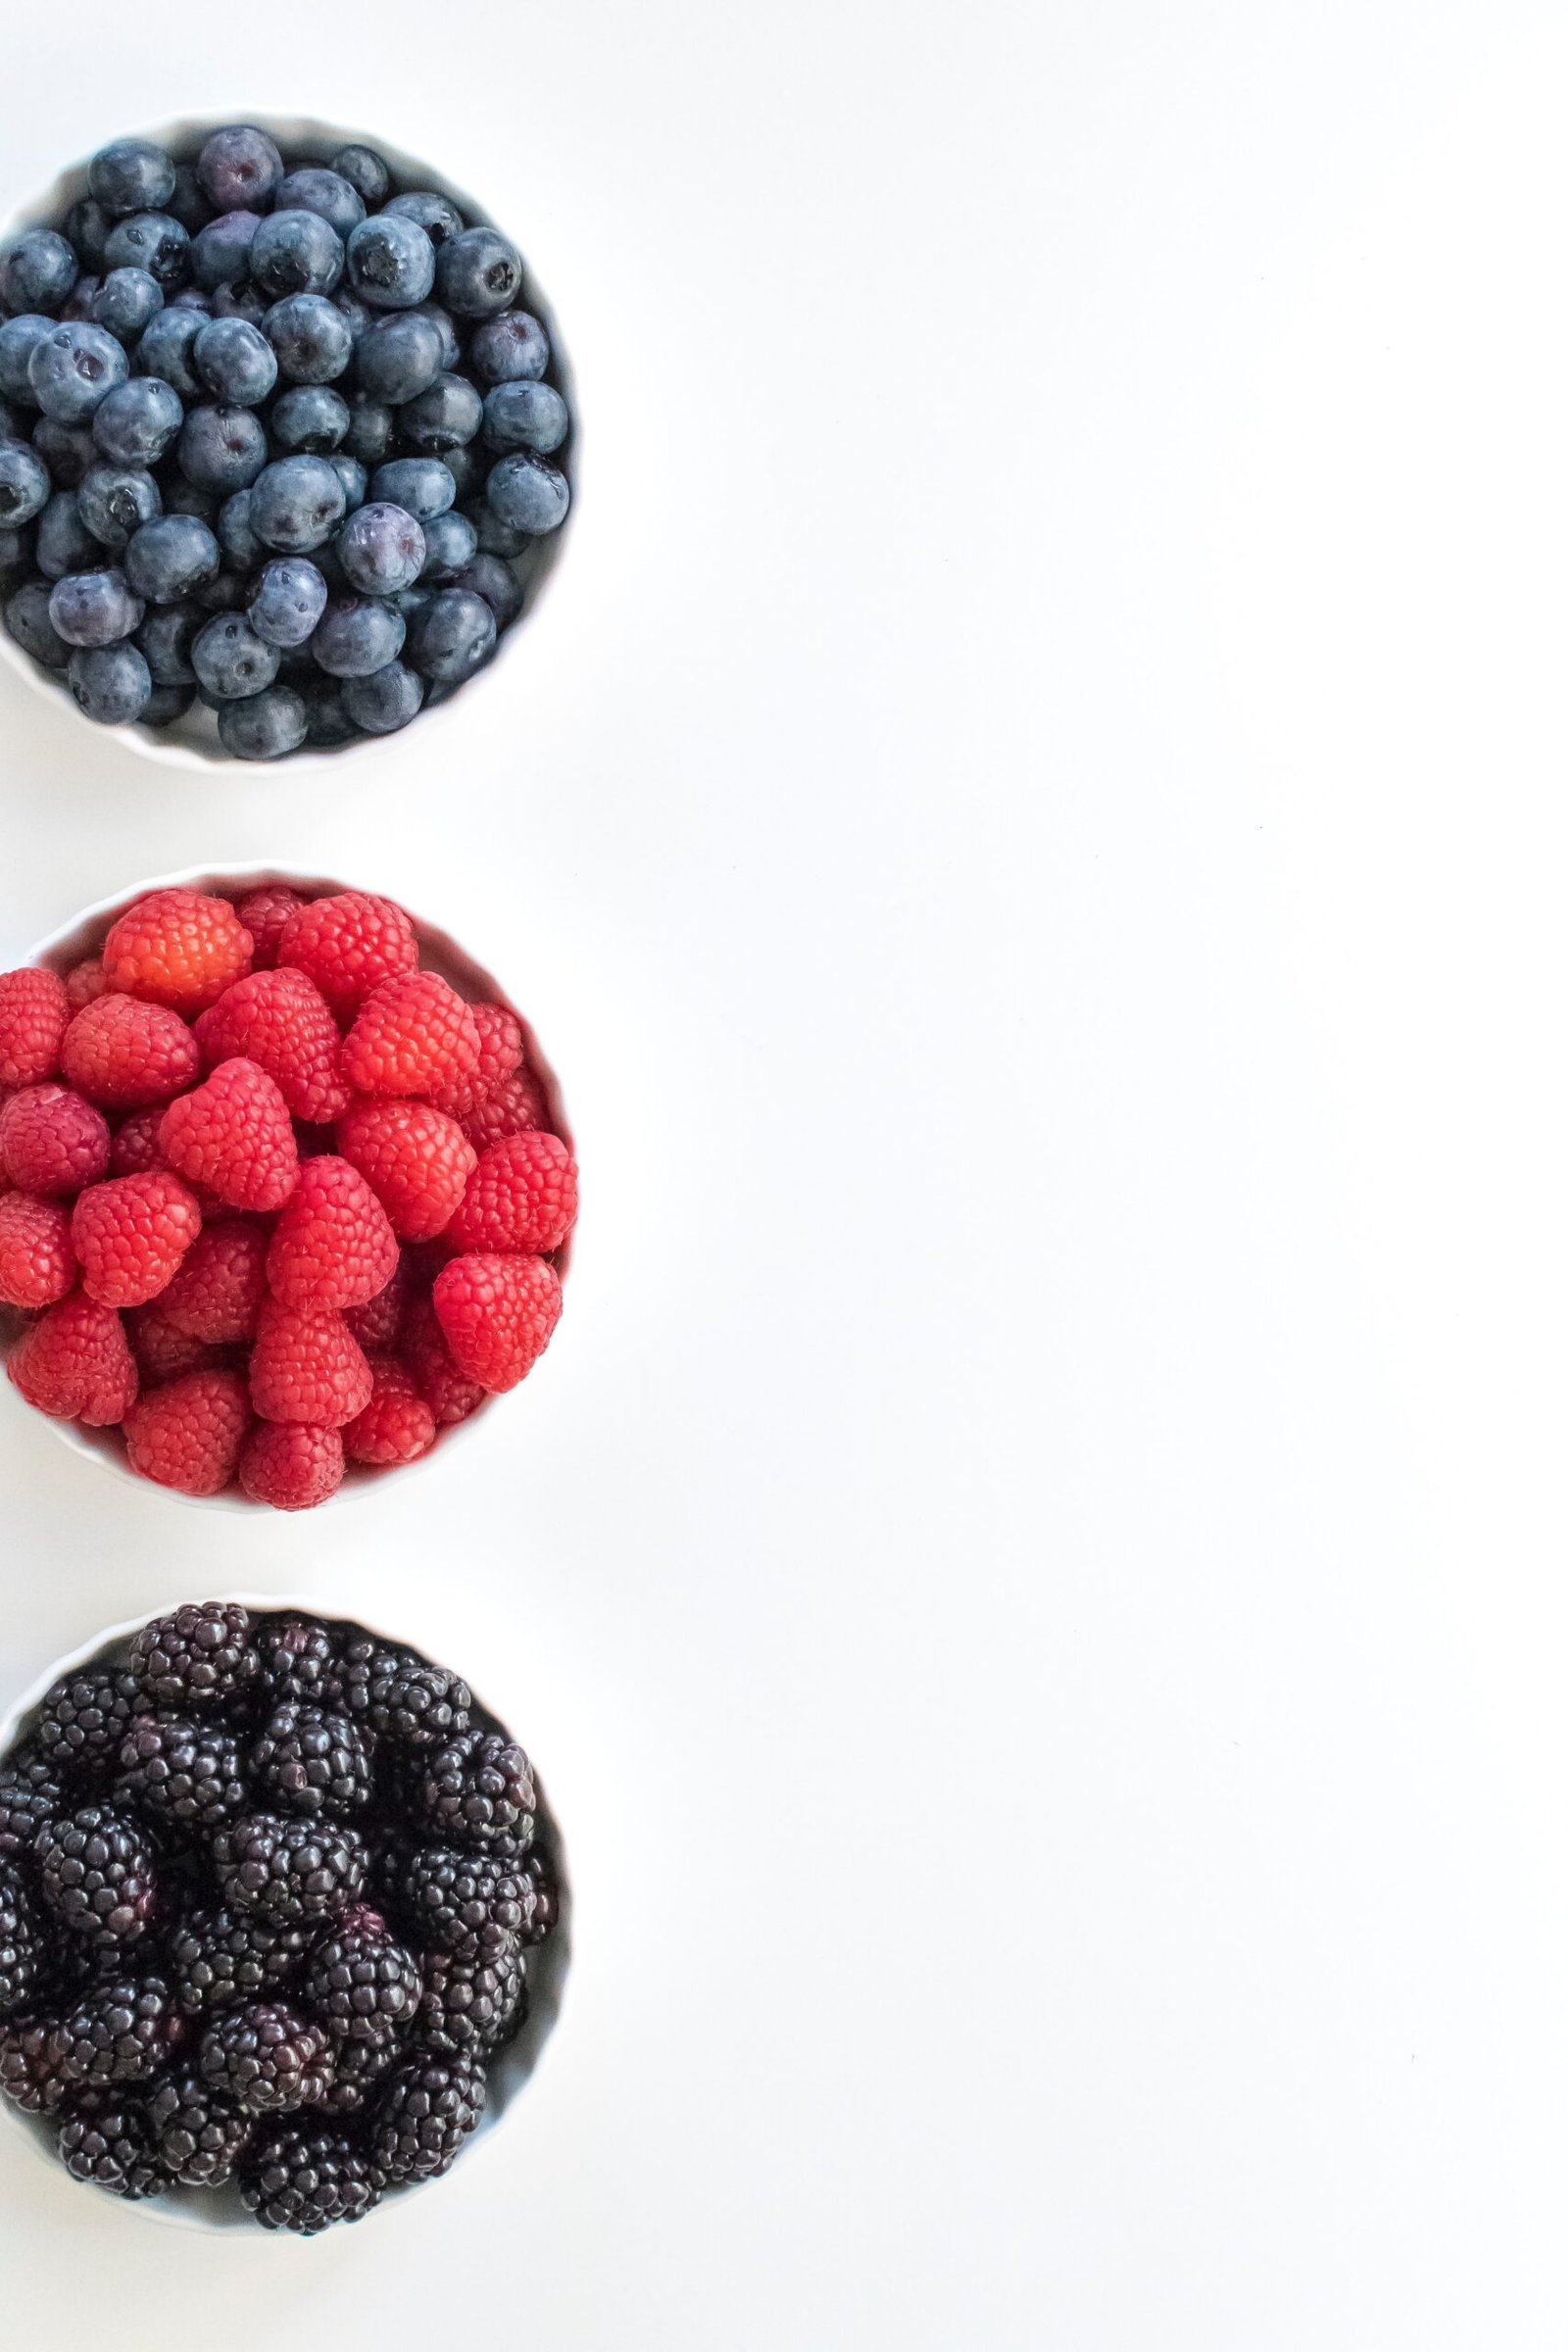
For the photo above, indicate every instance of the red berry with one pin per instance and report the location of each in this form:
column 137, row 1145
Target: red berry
column 37, row 1265
column 307, row 1366
column 410, row 1035
column 234, row 1135
column 263, row 913
column 217, row 1296
column 177, row 948
column 521, row 1195
column 332, row 1245
column 136, row 1147
column 499, row 1055
column 85, row 981
column 497, row 1312
column 52, row 1141
column 122, row 1054
column 280, row 1021
column 75, row 1363
column 516, row 1107
column 416, row 1159
column 162, row 1351
column 188, row 1434
column 375, row 1324
column 397, row 1424
column 450, row 1393
column 291, row 1464
column 33, row 1012
column 347, row 943
column 131, row 1234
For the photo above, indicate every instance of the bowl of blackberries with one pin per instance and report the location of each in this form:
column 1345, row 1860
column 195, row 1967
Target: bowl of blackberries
column 282, row 1917
column 286, row 440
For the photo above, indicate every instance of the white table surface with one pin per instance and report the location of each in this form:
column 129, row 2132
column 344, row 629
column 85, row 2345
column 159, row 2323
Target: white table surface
column 1032, row 825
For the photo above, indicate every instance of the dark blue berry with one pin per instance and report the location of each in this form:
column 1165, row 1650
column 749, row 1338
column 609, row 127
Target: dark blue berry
column 479, row 274
column 357, row 635
column 230, row 661
column 312, row 417
column 109, row 683
column 452, row 637
column 182, row 496
column 94, row 608
column 132, row 175
column 443, row 417
column 391, row 261
column 67, row 449
column 72, row 367
column 298, row 503
column 488, row 576
column 399, row 356
column 170, row 557
column 310, row 336
column 528, row 494
column 384, row 701
column 423, row 485
column 63, row 542
column 191, row 298
column 127, row 301
column 188, row 205
column 327, row 723
column 365, row 171
column 152, row 241
column 266, row 726
column 409, row 603
column 467, row 465
column 235, row 361
column 24, row 484
column 437, row 216
column 288, row 600
column 381, row 548
column 16, row 558
column 221, row 253
column 509, row 349
column 238, row 169
column 450, row 542
column 296, row 253
column 88, row 226
column 19, row 338
column 166, row 637
column 116, row 499
column 78, row 303
column 235, row 536
column 312, row 188
column 351, row 473
column 167, row 347
column 446, row 327
column 27, row 620
column 36, row 271
column 137, row 422
column 243, row 299
column 525, row 416
column 222, row 448
column 225, row 592
column 165, row 704
column 495, row 537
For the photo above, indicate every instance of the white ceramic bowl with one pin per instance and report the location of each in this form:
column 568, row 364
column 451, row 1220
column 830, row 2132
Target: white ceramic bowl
column 192, row 742
column 84, row 936
column 221, row 2209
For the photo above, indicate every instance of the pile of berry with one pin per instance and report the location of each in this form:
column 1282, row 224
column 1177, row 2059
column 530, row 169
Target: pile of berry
column 267, row 1886
column 272, row 1198
column 271, row 435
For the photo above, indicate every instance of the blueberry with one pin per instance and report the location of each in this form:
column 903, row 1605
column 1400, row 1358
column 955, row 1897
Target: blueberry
column 351, row 473
column 230, row 661
column 235, row 361
column 19, row 337
column 88, row 226
column 370, row 433
column 409, row 603
column 238, row 168
column 497, row 583
column 310, row 336
column 27, row 620
column 391, row 261
column 170, row 557
column 398, row 358
column 63, row 542
column 298, row 503
column 496, row 538
column 221, row 253
column 72, row 367
column 357, row 635
column 365, row 171
column 467, row 465
column 528, row 494
column 78, row 303
column 125, row 302
column 296, row 253
column 235, row 536
column 288, row 600
column 165, row 704
column 312, row 417
column 132, row 175
column 381, row 548
column 152, row 241
column 450, row 542
column 116, row 499
column 314, row 189
column 166, row 637
column 37, row 271
column 109, row 683
column 384, row 701
column 16, row 560
column 191, row 298
column 479, row 274
column 325, row 559
column 423, row 485
column 167, row 347
column 182, row 496
column 525, row 416
column 188, row 205
column 243, row 299
column 222, row 448
column 24, row 484
column 135, row 424
column 452, row 637
column 225, row 592
column 266, row 726
column 445, row 417
column 327, row 725
column 513, row 349
column 445, row 325
column 93, row 608
column 436, row 216
column 356, row 315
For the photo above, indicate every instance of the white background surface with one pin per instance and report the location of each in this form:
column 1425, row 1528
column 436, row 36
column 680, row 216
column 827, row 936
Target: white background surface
column 1031, row 824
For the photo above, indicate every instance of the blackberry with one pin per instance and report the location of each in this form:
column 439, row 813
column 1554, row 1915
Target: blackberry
column 299, row 1662
column 112, row 2146
column 29, row 1792
column 424, row 2111
column 470, row 2007
column 120, row 2031
column 311, row 1762
column 477, row 1790
column 470, row 1904
column 33, row 2072
column 82, row 1720
column 364, row 1662
column 198, row 2137
column 22, row 1944
column 97, row 1873
column 357, row 2068
column 289, row 1869
column 199, row 1656
column 306, row 2177
column 188, row 1776
column 224, row 1957
column 267, row 2058
column 416, row 1704
column 362, row 1985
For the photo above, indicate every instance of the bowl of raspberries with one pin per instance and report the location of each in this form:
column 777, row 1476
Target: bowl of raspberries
column 286, row 440
column 283, row 1916
column 286, row 1191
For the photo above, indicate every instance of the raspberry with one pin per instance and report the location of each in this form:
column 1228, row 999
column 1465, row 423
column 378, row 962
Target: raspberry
column 176, row 947
column 347, row 943
column 121, row 1053
column 450, row 1393
column 307, row 1366
column 397, row 1424
column 131, row 1234
column 234, row 1133
column 516, row 1105
column 263, row 913
column 410, row 1035
column 499, row 1055
column 84, row 981
column 522, row 1196
column 293, row 1465
column 187, row 1434
column 33, row 1015
column 136, row 1147
column 53, row 1141
column 375, row 1324
column 332, row 1245
column 282, row 1023
column 416, row 1160
column 497, row 1313
column 37, row 1263
column 75, row 1363
column 160, row 1351
column 216, row 1294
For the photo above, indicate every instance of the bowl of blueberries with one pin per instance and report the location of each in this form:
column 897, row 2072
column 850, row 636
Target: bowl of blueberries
column 287, row 441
